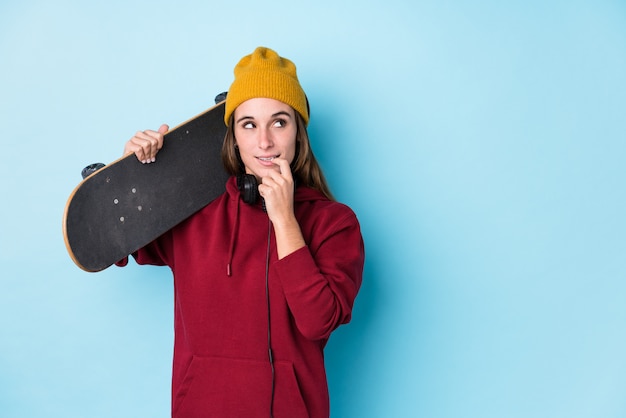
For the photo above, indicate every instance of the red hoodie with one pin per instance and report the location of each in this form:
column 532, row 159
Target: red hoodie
column 219, row 258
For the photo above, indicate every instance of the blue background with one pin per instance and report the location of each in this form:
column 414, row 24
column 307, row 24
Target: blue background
column 480, row 143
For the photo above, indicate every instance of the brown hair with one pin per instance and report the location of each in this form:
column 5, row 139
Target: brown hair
column 304, row 167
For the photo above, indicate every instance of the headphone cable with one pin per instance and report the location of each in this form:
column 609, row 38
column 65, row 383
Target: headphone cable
column 269, row 324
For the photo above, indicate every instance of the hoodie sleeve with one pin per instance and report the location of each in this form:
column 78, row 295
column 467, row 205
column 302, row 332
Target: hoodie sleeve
column 156, row 253
column 322, row 279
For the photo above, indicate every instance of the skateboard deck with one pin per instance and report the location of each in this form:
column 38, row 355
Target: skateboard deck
column 125, row 205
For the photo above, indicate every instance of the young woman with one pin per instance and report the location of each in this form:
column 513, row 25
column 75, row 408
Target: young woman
column 265, row 273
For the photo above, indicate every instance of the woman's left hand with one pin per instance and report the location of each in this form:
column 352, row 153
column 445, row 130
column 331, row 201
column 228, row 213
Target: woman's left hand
column 277, row 189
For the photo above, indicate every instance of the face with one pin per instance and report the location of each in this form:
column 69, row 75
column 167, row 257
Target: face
column 265, row 129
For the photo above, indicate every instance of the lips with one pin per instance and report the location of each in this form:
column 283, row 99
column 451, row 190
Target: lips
column 267, row 159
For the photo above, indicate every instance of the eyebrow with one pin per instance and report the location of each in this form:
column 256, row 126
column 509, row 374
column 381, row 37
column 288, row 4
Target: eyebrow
column 280, row 113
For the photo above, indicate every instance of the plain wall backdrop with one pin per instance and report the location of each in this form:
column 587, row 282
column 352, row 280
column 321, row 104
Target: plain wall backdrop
column 481, row 144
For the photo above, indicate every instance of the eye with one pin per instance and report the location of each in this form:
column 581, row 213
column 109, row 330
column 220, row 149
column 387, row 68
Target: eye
column 247, row 125
column 280, row 123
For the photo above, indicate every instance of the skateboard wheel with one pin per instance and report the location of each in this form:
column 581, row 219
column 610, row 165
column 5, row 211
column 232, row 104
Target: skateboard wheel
column 90, row 169
column 220, row 97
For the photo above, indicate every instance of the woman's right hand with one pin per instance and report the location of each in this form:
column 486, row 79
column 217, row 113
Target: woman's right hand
column 146, row 144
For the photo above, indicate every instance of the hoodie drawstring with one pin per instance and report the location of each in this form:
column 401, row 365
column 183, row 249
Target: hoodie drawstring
column 233, row 236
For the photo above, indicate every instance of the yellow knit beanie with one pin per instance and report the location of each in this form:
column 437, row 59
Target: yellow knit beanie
column 266, row 74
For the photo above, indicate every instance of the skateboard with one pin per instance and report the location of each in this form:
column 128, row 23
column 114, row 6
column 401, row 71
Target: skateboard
column 121, row 207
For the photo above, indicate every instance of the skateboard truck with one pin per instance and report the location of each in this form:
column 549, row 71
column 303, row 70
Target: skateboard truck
column 90, row 169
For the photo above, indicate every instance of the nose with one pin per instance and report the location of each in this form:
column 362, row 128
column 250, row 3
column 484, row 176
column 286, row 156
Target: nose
column 265, row 139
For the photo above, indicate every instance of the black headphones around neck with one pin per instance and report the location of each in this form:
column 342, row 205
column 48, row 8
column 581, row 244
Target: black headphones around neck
column 248, row 187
